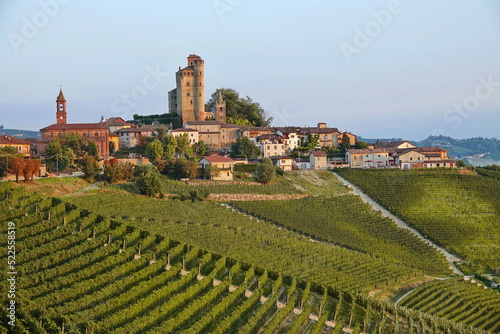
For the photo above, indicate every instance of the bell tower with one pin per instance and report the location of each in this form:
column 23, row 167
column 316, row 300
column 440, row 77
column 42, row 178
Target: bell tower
column 220, row 109
column 61, row 108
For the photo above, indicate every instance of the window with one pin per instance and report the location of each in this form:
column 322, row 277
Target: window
column 97, row 134
column 220, row 109
column 188, row 94
column 191, row 101
column 227, row 173
column 200, row 94
column 411, row 158
column 268, row 147
column 188, row 83
column 275, row 147
column 367, row 155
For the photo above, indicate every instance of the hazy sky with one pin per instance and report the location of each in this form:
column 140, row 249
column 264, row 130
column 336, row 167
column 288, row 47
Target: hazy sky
column 376, row 68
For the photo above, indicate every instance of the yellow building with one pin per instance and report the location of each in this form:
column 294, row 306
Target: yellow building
column 224, row 164
column 21, row 146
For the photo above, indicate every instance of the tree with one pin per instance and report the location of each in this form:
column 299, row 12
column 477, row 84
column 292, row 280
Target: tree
column 244, row 147
column 311, row 143
column 150, row 184
column 58, row 157
column 169, row 146
column 6, row 154
column 90, row 167
column 201, row 148
column 210, row 171
column 92, row 149
column 265, row 171
column 154, row 150
column 29, row 166
column 112, row 147
column 360, row 144
column 346, row 142
column 115, row 171
column 460, row 163
column 185, row 169
column 183, row 148
column 242, row 111
column 36, row 168
column 16, row 166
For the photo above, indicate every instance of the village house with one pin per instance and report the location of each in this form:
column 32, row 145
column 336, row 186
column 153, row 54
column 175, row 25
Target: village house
column 423, row 157
column 21, row 146
column 299, row 163
column 365, row 158
column 318, row 159
column 97, row 132
column 283, row 162
column 218, row 135
column 271, row 145
column 192, row 134
column 224, row 164
column 130, row 137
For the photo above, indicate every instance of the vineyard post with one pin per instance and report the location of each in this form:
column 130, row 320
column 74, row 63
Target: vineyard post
column 48, row 215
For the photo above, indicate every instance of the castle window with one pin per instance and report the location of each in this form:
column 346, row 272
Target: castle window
column 191, row 101
column 220, row 109
column 200, row 94
column 187, row 83
column 188, row 94
column 200, row 83
column 97, row 134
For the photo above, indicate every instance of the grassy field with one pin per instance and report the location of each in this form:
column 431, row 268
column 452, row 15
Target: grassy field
column 54, row 186
column 459, row 212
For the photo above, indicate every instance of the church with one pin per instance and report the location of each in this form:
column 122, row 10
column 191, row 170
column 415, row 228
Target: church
column 98, row 132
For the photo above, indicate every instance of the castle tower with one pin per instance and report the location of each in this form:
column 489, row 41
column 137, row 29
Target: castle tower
column 189, row 97
column 61, row 108
column 220, row 109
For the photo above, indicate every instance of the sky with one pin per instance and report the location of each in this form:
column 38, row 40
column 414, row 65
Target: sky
column 379, row 69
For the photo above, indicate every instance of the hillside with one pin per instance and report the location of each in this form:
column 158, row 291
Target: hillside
column 20, row 133
column 459, row 212
column 80, row 272
column 474, row 151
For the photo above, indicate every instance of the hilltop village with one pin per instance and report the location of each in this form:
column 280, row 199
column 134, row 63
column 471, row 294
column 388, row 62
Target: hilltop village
column 289, row 147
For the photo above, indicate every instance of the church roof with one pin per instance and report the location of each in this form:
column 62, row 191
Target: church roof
column 60, row 97
column 76, row 126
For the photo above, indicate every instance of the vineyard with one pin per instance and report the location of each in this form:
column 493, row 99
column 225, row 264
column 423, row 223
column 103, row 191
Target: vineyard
column 219, row 229
column 460, row 300
column 82, row 272
column 458, row 212
column 347, row 221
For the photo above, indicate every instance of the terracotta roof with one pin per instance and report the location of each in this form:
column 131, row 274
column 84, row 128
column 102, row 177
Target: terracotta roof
column 9, row 140
column 144, row 128
column 116, row 121
column 76, row 126
column 204, row 123
column 440, row 161
column 184, row 130
column 218, row 159
column 319, row 153
column 391, row 144
column 370, row 151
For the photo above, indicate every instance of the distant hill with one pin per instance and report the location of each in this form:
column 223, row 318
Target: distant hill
column 19, row 133
column 474, row 151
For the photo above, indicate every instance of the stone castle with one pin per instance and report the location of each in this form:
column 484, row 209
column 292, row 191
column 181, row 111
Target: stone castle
column 188, row 98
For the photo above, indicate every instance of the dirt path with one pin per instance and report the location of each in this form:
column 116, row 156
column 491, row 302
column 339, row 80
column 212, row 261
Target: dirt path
column 449, row 257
